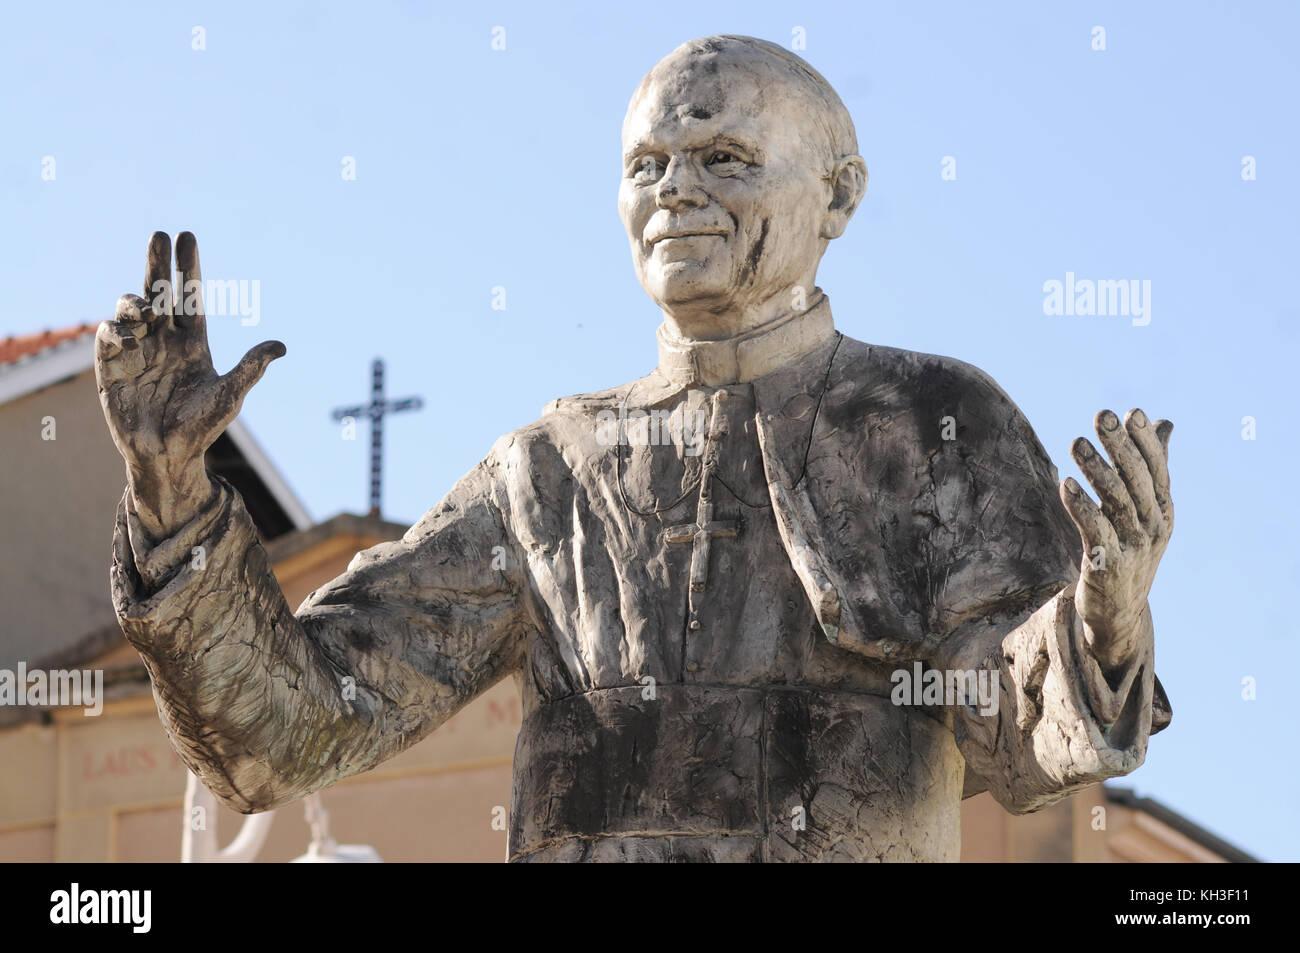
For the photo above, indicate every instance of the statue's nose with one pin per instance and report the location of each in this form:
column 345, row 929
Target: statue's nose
column 679, row 187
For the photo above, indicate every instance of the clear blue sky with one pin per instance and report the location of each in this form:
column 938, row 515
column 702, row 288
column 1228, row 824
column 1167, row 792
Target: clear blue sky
column 479, row 168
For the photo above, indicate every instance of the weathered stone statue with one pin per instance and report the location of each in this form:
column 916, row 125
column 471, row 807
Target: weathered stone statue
column 722, row 588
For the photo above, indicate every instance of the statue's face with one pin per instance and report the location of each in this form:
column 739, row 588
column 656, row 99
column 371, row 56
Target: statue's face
column 725, row 190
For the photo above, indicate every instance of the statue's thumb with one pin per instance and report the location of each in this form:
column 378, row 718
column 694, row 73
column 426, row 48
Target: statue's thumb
column 1164, row 430
column 241, row 378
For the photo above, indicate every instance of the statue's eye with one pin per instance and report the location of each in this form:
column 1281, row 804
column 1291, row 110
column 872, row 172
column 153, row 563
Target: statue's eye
column 648, row 169
column 725, row 163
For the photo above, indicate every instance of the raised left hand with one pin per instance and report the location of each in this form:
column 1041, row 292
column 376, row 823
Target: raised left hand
column 1125, row 537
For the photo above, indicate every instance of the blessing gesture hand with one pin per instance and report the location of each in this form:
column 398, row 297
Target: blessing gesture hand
column 164, row 401
column 1125, row 537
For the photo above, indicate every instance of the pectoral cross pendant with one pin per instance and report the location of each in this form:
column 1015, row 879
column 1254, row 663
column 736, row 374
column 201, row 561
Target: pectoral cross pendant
column 699, row 533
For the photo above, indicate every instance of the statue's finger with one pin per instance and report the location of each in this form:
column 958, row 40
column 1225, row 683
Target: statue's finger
column 1094, row 528
column 1147, row 440
column 158, row 274
column 232, row 387
column 1114, row 496
column 107, row 343
column 135, row 315
column 188, row 309
column 129, row 326
column 1131, row 467
column 117, row 350
column 1164, row 430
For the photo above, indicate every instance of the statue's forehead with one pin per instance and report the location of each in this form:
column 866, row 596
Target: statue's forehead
column 697, row 100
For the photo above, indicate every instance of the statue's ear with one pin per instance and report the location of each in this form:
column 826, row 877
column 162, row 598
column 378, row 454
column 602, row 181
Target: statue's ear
column 848, row 185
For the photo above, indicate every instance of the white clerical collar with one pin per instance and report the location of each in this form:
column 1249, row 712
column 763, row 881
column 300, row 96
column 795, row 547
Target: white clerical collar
column 746, row 356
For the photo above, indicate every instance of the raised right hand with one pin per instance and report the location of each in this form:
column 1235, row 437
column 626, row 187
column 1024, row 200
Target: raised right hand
column 164, row 401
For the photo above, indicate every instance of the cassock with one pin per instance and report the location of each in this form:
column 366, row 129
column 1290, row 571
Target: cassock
column 706, row 584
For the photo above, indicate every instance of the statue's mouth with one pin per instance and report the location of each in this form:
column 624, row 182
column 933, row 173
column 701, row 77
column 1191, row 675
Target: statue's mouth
column 666, row 236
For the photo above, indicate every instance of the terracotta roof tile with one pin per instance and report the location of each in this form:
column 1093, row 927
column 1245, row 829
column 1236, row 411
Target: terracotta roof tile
column 15, row 348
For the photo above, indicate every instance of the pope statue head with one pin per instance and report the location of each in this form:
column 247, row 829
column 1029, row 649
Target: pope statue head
column 739, row 166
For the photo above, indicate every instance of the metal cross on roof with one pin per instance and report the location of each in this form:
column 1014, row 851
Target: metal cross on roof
column 376, row 410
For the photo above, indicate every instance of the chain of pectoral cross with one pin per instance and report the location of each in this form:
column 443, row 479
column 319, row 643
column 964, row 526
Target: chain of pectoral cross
column 705, row 528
